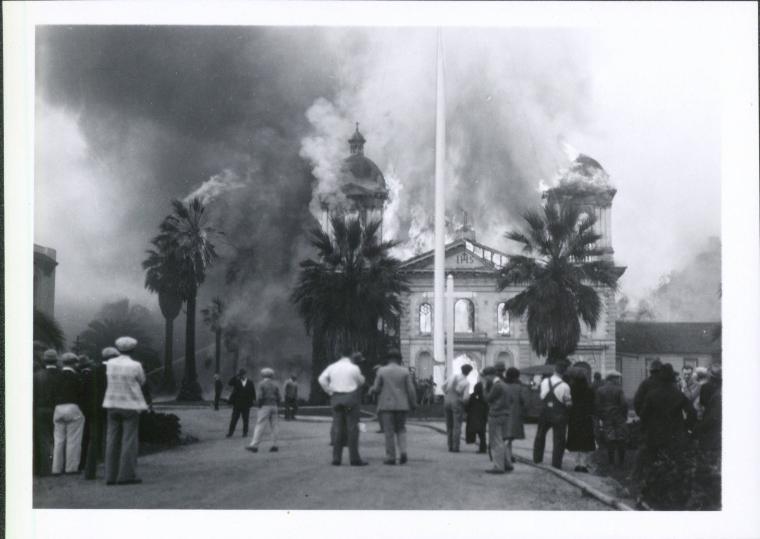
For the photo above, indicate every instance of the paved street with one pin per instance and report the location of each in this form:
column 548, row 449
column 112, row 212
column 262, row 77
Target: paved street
column 217, row 473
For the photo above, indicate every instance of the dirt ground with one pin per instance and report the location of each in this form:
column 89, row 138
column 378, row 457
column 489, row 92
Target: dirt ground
column 217, row 473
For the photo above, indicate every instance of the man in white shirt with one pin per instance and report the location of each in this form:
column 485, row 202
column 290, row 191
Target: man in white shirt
column 555, row 396
column 456, row 392
column 343, row 381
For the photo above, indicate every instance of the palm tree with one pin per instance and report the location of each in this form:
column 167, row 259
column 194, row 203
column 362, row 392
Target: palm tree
column 344, row 295
column 162, row 276
column 212, row 316
column 188, row 236
column 116, row 320
column 561, row 266
column 47, row 331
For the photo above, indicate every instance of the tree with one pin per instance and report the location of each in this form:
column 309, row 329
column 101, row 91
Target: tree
column 186, row 234
column 346, row 295
column 47, row 331
column 561, row 266
column 119, row 319
column 212, row 316
column 162, row 276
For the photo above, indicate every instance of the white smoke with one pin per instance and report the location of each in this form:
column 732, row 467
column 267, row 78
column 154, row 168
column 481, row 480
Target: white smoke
column 216, row 185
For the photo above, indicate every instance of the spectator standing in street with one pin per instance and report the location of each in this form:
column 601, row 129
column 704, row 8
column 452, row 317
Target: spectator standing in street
column 242, row 398
column 708, row 431
column 580, row 425
column 689, row 386
column 611, row 410
column 68, row 419
column 517, row 400
column 343, row 381
column 268, row 402
column 456, row 394
column 44, row 407
column 124, row 401
column 597, row 382
column 291, row 398
column 396, row 397
column 95, row 393
column 218, row 386
column 647, row 385
column 477, row 417
column 556, row 401
column 498, row 419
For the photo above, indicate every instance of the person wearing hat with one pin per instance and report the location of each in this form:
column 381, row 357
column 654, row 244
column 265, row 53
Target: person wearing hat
column 708, row 431
column 290, row 388
column 612, row 415
column 68, row 420
column 476, row 412
column 396, row 397
column 123, row 401
column 44, row 406
column 268, row 403
column 218, row 387
column 242, row 398
column 85, row 368
column 94, row 394
column 506, row 401
column 647, row 385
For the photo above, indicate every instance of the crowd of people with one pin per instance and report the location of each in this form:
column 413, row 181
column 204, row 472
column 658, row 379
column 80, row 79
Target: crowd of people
column 85, row 411
column 582, row 412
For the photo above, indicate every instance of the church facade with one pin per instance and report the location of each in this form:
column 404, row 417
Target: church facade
column 483, row 334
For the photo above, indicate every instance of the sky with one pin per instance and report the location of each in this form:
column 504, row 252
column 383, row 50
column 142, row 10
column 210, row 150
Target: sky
column 256, row 119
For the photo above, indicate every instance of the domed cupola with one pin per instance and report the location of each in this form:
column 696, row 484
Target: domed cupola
column 362, row 185
column 586, row 184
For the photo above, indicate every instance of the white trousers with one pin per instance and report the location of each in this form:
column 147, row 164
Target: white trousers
column 266, row 416
column 68, row 426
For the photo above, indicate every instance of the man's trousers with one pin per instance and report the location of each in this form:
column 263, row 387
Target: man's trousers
column 266, row 416
column 558, row 425
column 43, row 440
column 346, row 428
column 236, row 414
column 394, row 427
column 68, row 425
column 122, row 445
column 454, row 417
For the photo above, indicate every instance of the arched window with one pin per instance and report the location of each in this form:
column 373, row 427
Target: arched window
column 502, row 320
column 464, row 316
column 426, row 318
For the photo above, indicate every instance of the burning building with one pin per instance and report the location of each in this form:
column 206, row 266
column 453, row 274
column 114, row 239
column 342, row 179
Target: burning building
column 482, row 333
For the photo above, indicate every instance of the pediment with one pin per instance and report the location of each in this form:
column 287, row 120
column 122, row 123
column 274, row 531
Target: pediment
column 461, row 255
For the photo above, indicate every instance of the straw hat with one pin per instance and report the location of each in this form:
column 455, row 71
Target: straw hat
column 126, row 344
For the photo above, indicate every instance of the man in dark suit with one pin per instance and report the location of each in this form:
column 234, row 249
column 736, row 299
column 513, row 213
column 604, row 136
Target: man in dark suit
column 218, row 386
column 242, row 398
column 95, row 392
column 44, row 406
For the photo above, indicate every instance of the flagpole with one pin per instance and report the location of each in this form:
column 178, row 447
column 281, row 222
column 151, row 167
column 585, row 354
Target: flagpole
column 440, row 191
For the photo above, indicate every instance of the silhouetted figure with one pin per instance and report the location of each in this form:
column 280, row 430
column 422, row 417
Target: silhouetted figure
column 612, row 412
column 580, row 425
column 218, row 386
column 556, row 400
column 44, row 406
column 242, row 398
column 290, row 388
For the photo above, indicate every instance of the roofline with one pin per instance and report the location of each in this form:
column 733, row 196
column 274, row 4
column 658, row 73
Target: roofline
column 451, row 245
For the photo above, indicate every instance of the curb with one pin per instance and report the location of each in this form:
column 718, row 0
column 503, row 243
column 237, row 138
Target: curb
column 586, row 489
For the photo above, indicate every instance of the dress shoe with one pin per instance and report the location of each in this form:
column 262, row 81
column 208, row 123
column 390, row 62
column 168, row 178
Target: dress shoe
column 336, row 463
column 273, row 449
column 110, row 483
column 252, row 449
column 509, row 469
column 360, row 463
column 494, row 471
column 391, row 462
column 403, row 459
column 229, row 435
column 134, row 481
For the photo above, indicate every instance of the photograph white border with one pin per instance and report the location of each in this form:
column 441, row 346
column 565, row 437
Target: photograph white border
column 731, row 26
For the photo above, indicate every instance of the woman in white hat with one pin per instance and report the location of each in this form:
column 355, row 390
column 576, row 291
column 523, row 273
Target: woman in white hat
column 268, row 402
